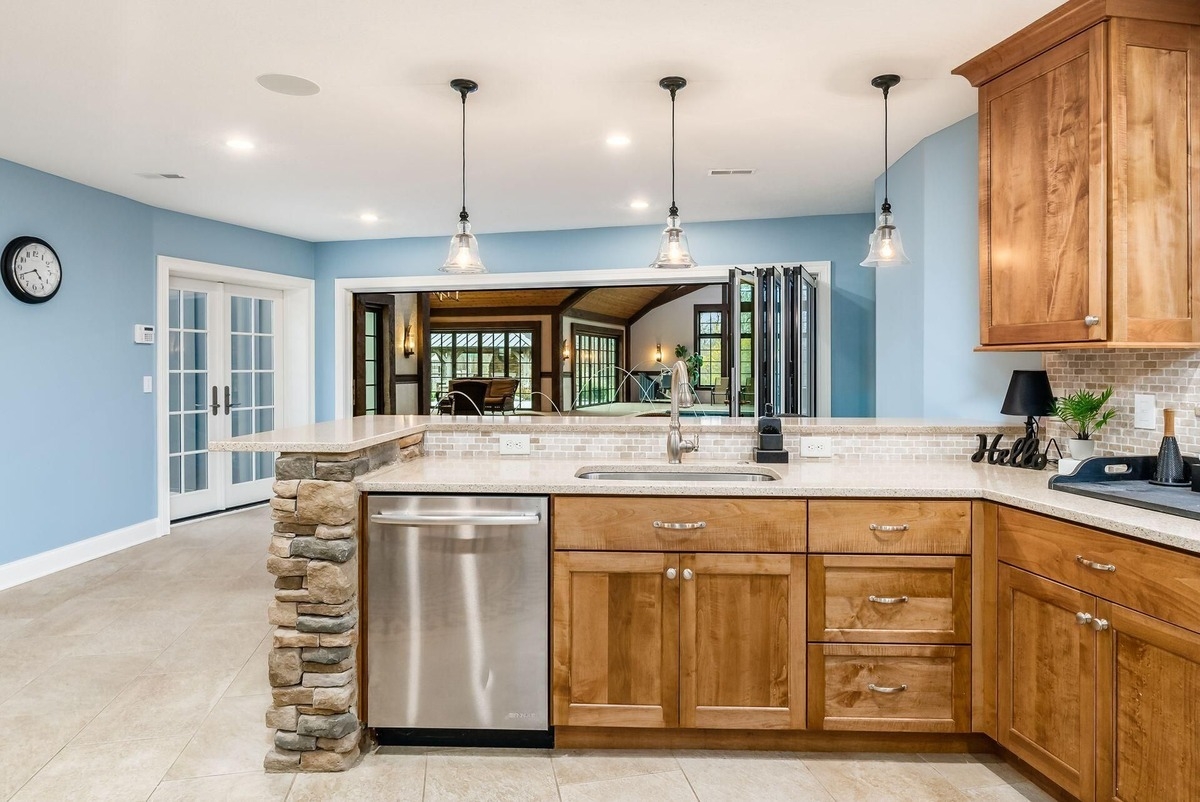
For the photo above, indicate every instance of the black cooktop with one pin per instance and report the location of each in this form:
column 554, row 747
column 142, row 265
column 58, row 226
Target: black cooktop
column 1126, row 480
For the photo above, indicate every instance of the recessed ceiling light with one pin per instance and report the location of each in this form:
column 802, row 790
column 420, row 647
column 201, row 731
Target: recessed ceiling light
column 618, row 140
column 240, row 144
column 369, row 217
column 288, row 85
column 639, row 204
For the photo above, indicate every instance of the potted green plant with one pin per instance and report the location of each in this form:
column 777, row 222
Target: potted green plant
column 1081, row 412
column 693, row 363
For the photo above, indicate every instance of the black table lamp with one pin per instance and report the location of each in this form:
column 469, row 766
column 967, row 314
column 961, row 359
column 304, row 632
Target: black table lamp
column 1029, row 394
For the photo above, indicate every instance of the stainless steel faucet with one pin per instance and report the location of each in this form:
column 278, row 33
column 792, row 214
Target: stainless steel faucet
column 682, row 395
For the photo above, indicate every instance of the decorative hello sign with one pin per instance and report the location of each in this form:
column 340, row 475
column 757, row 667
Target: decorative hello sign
column 1025, row 452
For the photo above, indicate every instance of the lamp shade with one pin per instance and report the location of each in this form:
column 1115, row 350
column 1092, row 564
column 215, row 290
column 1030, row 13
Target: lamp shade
column 1029, row 394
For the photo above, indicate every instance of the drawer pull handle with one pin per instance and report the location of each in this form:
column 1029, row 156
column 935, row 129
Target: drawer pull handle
column 871, row 686
column 1109, row 567
column 888, row 599
column 685, row 525
column 888, row 527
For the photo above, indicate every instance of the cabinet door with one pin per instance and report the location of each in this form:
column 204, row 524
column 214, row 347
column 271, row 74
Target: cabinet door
column 1043, row 231
column 1148, row 682
column 1046, row 678
column 616, row 639
column 742, row 646
column 1156, row 181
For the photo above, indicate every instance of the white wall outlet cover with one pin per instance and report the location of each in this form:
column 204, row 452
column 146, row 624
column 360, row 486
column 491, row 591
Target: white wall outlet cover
column 1144, row 413
column 816, row 446
column 515, row 444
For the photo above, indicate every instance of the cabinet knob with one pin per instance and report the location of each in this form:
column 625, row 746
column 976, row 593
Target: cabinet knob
column 670, row 573
column 1083, row 619
column 1091, row 320
column 1099, row 624
column 687, row 574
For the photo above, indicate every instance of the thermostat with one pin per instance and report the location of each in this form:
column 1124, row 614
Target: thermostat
column 143, row 335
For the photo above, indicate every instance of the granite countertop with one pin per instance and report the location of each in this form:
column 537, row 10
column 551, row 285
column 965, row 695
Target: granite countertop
column 810, row 478
column 355, row 434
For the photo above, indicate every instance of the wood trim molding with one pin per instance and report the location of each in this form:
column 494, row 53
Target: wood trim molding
column 1064, row 22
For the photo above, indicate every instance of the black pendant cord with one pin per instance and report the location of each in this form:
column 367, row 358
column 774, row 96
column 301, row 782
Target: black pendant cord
column 463, row 214
column 887, row 207
column 674, row 209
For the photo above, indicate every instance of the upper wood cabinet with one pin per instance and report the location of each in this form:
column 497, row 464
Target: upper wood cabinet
column 1089, row 178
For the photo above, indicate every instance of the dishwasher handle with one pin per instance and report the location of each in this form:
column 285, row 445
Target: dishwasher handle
column 466, row 519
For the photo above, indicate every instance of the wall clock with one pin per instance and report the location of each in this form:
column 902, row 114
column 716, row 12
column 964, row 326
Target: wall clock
column 31, row 270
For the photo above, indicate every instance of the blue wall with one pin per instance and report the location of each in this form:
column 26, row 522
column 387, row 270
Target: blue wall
column 77, row 431
column 840, row 239
column 927, row 319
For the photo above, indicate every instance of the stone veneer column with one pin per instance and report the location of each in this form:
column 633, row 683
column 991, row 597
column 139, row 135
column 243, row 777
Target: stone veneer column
column 313, row 665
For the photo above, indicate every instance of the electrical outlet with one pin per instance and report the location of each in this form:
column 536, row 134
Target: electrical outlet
column 816, row 446
column 1144, row 416
column 514, row 444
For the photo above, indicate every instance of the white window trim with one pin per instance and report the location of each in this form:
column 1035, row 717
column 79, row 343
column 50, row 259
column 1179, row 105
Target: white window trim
column 344, row 289
column 298, row 346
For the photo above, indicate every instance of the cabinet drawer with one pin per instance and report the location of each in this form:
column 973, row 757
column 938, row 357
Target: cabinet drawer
column 890, row 527
column 889, row 688
column 889, row 599
column 1154, row 580
column 622, row 523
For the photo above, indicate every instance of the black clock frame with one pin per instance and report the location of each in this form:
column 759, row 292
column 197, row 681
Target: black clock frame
column 8, row 269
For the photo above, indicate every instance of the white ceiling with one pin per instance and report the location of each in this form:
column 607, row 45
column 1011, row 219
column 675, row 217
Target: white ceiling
column 102, row 90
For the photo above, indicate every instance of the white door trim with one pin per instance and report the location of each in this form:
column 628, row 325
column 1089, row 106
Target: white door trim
column 298, row 346
column 344, row 289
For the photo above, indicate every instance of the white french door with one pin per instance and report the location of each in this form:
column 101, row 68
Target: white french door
column 224, row 379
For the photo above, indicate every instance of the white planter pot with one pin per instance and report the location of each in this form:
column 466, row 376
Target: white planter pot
column 1082, row 449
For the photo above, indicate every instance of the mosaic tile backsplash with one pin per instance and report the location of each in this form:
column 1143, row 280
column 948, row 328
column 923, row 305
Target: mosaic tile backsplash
column 1173, row 377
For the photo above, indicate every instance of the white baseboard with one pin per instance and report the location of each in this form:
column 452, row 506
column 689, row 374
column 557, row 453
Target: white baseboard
column 26, row 569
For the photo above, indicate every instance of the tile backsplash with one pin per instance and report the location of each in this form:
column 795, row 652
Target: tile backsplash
column 1173, row 377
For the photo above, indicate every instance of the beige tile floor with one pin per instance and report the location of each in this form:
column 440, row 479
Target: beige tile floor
column 142, row 675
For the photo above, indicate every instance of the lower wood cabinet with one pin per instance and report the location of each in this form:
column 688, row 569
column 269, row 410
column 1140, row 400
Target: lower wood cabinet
column 1046, row 682
column 1103, row 700
column 889, row 688
column 691, row 640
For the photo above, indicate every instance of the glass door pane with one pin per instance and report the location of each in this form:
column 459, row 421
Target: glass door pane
column 187, row 380
column 252, row 380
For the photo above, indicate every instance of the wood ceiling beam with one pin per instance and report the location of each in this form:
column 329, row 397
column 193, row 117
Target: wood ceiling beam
column 665, row 297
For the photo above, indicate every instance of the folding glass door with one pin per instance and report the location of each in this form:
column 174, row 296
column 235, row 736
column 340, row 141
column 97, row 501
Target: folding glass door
column 223, row 379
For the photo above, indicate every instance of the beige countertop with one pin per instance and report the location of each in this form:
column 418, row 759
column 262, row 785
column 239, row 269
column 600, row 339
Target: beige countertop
column 809, row 478
column 354, row 434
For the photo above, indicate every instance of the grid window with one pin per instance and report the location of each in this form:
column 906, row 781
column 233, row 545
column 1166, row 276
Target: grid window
column 710, row 336
column 187, row 377
column 252, row 381
column 462, row 354
column 596, row 363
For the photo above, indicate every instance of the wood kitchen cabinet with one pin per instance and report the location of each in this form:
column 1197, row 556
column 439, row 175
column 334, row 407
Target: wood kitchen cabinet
column 1089, row 178
column 1102, row 698
column 714, row 641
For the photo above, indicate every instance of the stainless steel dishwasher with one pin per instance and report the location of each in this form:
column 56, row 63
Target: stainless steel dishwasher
column 458, row 630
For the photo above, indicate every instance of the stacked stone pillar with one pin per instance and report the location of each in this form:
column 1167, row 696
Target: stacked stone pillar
column 313, row 664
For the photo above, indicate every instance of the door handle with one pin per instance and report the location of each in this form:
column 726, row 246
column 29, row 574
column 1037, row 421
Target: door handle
column 228, row 405
column 216, row 405
column 466, row 519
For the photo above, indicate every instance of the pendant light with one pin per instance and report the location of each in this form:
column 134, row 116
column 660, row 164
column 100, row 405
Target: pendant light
column 464, row 248
column 886, row 248
column 673, row 248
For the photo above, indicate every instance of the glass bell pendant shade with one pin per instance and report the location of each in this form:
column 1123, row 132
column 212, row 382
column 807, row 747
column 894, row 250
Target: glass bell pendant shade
column 464, row 252
column 886, row 248
column 673, row 249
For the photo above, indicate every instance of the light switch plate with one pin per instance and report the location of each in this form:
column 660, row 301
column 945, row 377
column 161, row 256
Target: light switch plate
column 1144, row 414
column 147, row 384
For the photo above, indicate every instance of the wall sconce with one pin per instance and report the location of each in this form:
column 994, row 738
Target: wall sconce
column 410, row 347
column 658, row 352
column 566, row 350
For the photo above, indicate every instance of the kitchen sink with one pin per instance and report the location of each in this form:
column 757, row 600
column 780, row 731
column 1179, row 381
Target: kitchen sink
column 651, row 475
